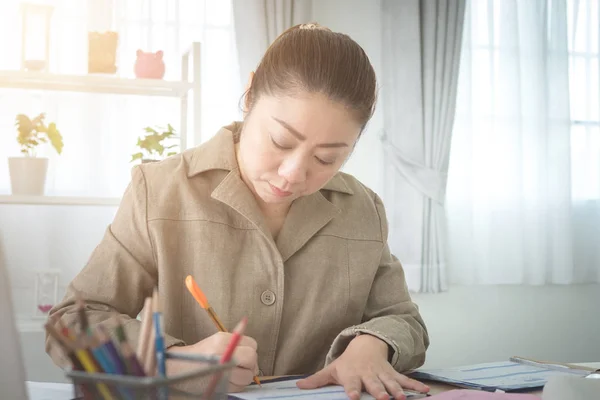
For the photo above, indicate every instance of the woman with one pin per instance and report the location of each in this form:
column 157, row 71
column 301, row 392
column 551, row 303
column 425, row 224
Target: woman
column 262, row 218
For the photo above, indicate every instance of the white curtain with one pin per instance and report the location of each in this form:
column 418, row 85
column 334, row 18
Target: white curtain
column 523, row 192
column 421, row 54
column 259, row 22
column 100, row 131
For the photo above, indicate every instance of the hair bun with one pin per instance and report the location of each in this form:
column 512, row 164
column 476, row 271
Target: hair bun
column 313, row 26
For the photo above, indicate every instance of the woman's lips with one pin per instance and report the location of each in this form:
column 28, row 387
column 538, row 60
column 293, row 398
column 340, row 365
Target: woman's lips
column 278, row 192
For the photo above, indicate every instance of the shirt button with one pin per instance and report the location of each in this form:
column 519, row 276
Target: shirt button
column 267, row 297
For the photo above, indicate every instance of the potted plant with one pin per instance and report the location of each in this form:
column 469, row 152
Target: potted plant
column 152, row 145
column 28, row 172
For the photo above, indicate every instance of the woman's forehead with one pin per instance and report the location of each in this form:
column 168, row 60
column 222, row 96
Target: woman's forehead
column 308, row 114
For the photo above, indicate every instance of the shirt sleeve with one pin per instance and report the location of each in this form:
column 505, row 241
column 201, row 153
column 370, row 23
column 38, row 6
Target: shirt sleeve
column 120, row 273
column 390, row 314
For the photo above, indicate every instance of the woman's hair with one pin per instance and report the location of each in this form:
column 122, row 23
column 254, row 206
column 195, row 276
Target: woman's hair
column 311, row 58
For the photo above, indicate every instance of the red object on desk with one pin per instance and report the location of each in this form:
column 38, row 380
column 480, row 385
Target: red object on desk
column 466, row 394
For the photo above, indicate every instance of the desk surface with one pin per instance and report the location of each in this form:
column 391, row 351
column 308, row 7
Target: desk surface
column 62, row 391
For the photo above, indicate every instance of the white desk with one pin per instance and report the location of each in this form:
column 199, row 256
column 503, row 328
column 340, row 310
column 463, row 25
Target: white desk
column 64, row 391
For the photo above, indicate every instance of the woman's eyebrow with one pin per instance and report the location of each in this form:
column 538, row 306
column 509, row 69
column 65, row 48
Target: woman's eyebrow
column 300, row 136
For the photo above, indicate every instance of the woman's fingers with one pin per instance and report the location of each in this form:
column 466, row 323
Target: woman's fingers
column 317, row 380
column 246, row 357
column 412, row 384
column 241, row 377
column 392, row 386
column 248, row 341
column 375, row 387
column 246, row 360
column 352, row 386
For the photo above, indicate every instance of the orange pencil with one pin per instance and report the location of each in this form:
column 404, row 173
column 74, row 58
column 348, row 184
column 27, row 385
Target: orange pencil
column 201, row 299
column 194, row 289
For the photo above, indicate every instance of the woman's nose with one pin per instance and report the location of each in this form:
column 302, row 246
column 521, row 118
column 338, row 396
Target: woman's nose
column 294, row 169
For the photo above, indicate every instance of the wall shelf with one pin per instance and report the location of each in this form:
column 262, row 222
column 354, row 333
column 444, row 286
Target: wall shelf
column 190, row 83
column 60, row 200
column 93, row 84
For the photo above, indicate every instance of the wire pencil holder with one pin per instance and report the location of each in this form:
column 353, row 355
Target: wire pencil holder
column 187, row 385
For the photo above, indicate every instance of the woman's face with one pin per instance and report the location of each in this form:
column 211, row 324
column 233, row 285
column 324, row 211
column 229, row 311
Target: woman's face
column 292, row 146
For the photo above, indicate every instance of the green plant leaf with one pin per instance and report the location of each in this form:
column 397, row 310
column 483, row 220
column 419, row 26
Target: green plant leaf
column 24, row 129
column 55, row 137
column 136, row 156
column 152, row 144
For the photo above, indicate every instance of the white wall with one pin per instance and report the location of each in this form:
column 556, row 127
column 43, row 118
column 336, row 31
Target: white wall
column 40, row 237
column 360, row 19
column 473, row 324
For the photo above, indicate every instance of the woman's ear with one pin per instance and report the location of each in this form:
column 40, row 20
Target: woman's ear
column 247, row 98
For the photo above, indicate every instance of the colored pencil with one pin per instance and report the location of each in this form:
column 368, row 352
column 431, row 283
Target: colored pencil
column 68, row 347
column 159, row 342
column 134, row 367
column 144, row 335
column 200, row 297
column 238, row 332
column 158, row 335
column 105, row 343
column 83, row 320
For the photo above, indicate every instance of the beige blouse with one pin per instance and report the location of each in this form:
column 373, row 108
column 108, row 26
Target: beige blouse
column 328, row 276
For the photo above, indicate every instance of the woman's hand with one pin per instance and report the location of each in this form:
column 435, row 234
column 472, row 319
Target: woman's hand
column 364, row 363
column 245, row 355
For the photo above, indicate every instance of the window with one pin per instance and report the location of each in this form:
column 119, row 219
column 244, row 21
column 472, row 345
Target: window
column 100, row 131
column 523, row 192
column 584, row 56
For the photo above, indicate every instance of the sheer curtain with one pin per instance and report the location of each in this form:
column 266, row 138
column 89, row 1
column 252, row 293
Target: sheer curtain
column 100, row 131
column 421, row 58
column 522, row 199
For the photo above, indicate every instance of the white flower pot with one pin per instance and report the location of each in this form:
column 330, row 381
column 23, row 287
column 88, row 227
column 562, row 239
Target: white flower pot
column 28, row 175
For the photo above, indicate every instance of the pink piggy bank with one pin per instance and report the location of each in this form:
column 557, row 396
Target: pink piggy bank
column 149, row 65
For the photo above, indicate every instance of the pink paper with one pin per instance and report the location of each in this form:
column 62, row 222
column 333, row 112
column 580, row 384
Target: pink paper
column 465, row 394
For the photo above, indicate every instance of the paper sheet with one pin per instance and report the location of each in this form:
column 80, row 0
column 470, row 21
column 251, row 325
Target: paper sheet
column 49, row 391
column 287, row 390
column 503, row 375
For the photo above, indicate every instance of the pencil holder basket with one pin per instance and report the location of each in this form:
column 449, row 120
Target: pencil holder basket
column 193, row 384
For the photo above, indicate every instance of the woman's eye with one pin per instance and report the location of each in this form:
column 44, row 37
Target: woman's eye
column 324, row 162
column 279, row 146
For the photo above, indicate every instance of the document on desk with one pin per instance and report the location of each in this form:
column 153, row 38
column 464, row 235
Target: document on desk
column 49, row 391
column 506, row 376
column 287, row 390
